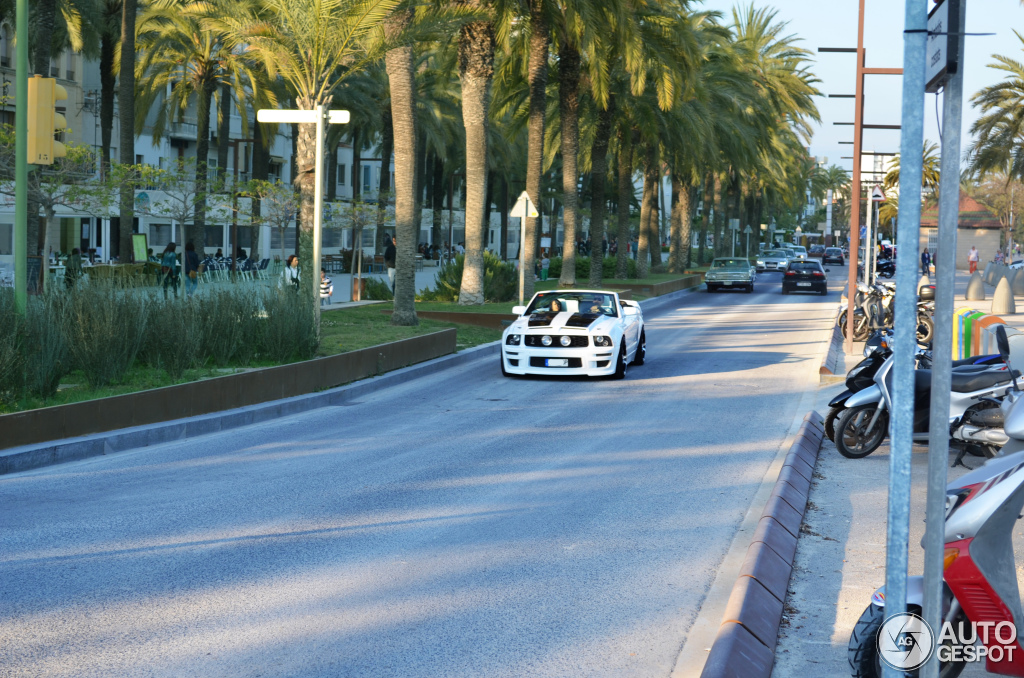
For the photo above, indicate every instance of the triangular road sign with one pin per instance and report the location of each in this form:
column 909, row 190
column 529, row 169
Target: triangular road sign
column 877, row 194
column 524, row 207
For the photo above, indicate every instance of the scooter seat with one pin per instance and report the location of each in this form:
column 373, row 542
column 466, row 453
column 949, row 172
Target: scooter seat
column 976, row 381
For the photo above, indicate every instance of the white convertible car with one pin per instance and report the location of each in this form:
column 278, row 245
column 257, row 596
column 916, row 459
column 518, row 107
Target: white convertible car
column 574, row 332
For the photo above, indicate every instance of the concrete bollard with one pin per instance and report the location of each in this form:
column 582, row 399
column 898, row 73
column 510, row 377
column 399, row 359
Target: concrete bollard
column 1017, row 282
column 975, row 288
column 1002, row 300
column 987, row 275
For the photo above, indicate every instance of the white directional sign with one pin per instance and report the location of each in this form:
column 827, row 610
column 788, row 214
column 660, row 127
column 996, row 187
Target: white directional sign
column 877, row 194
column 318, row 116
column 524, row 207
column 748, row 230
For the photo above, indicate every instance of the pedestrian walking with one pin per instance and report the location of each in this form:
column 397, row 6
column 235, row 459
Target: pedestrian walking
column 191, row 264
column 545, row 264
column 390, row 254
column 169, row 268
column 926, row 262
column 972, row 259
column 290, row 276
column 326, row 288
column 73, row 268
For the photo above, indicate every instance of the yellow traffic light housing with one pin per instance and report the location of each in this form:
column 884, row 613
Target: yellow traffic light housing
column 44, row 122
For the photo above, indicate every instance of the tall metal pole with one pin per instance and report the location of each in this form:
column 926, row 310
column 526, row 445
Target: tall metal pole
column 902, row 422
column 522, row 271
column 942, row 347
column 21, row 161
column 858, row 122
column 318, row 208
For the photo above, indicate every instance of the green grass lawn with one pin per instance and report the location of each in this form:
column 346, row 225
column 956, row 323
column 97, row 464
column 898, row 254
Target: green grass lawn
column 340, row 331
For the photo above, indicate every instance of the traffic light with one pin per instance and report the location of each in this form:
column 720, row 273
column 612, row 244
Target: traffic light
column 43, row 121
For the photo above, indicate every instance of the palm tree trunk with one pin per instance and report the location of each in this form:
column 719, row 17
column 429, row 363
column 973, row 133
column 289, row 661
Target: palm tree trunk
column 675, row 252
column 568, row 108
column 224, row 136
column 387, row 147
column 399, row 64
column 126, row 104
column 260, row 171
column 305, row 181
column 705, row 222
column 476, row 68
column 537, row 74
column 648, row 212
column 625, row 167
column 437, row 201
column 503, row 210
column 719, row 215
column 108, row 81
column 202, row 153
column 357, row 166
column 598, row 176
column 332, row 173
column 686, row 229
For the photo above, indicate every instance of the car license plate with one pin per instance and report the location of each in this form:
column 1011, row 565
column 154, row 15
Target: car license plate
column 803, row 284
column 727, row 283
column 557, row 362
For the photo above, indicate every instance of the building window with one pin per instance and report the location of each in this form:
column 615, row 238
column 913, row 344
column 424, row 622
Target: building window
column 5, row 46
column 330, row 237
column 7, row 239
column 159, row 235
column 289, row 239
column 54, row 69
column 214, row 236
column 69, row 65
column 342, row 168
column 274, row 172
column 366, row 178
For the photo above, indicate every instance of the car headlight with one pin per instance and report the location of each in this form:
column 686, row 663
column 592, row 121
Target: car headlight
column 512, row 340
column 760, row 263
column 546, row 340
column 602, row 341
column 565, row 340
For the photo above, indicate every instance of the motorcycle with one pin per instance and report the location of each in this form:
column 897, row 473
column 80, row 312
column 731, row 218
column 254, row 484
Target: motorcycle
column 874, row 308
column 979, row 572
column 862, row 427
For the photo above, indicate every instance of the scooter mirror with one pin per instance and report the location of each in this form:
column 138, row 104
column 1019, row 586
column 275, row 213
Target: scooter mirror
column 1002, row 342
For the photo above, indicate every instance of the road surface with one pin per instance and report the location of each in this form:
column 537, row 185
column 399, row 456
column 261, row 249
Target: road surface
column 460, row 524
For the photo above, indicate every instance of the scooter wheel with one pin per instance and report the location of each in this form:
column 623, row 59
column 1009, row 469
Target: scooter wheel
column 925, row 329
column 830, row 422
column 853, row 438
column 862, row 652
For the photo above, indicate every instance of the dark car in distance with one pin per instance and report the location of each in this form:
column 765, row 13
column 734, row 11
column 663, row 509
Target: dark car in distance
column 816, row 250
column 833, row 255
column 805, row 276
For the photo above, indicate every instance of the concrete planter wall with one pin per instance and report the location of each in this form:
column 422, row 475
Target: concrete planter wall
column 218, row 394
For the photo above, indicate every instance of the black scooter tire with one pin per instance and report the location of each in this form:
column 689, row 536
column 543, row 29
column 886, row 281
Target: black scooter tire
column 862, row 651
column 850, row 438
column 830, row 421
column 925, row 329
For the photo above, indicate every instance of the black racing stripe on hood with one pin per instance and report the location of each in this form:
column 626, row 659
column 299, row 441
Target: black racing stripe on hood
column 582, row 319
column 541, row 319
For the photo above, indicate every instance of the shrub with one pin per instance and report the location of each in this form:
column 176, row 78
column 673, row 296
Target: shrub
column 106, row 327
column 288, row 330
column 501, row 282
column 378, row 289
column 174, row 336
column 231, row 331
column 583, row 268
column 46, row 351
column 11, row 338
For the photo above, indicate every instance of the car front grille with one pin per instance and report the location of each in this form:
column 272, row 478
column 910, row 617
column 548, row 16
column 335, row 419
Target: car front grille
column 577, row 341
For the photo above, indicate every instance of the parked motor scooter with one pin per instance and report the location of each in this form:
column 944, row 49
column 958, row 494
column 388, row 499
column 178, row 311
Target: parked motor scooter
column 979, row 572
column 865, row 423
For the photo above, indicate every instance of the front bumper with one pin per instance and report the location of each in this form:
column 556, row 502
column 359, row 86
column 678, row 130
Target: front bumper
column 592, row 361
column 814, row 287
column 772, row 266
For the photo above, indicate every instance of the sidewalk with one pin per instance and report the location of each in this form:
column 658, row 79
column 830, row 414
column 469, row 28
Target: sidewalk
column 840, row 559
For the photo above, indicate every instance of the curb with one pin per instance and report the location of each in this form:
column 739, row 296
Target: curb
column 745, row 644
column 28, row 457
column 827, row 371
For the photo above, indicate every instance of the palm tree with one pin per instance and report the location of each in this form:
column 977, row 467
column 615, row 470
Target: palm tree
column 126, row 114
column 999, row 131
column 313, row 45
column 184, row 62
column 476, row 69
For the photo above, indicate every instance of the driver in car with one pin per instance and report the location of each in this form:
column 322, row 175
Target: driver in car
column 595, row 306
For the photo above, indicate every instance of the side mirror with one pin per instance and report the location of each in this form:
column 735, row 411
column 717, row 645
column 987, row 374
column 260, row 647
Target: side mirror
column 828, row 270
column 518, row 310
column 628, row 310
column 1003, row 343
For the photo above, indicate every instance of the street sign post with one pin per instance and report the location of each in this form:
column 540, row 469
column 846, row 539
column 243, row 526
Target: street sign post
column 318, row 116
column 523, row 209
column 21, row 215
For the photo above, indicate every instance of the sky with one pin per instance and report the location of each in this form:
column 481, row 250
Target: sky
column 833, row 23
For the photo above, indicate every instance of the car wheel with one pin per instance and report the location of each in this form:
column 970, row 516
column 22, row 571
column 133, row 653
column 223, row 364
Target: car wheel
column 641, row 350
column 784, row 290
column 710, row 289
column 824, row 292
column 750, row 288
column 620, row 362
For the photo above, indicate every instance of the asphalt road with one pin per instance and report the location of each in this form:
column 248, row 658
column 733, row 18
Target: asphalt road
column 458, row 525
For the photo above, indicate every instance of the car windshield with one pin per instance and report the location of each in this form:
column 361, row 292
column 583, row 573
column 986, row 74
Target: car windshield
column 730, row 263
column 779, row 254
column 809, row 266
column 596, row 303
column 833, row 250
column 799, row 250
